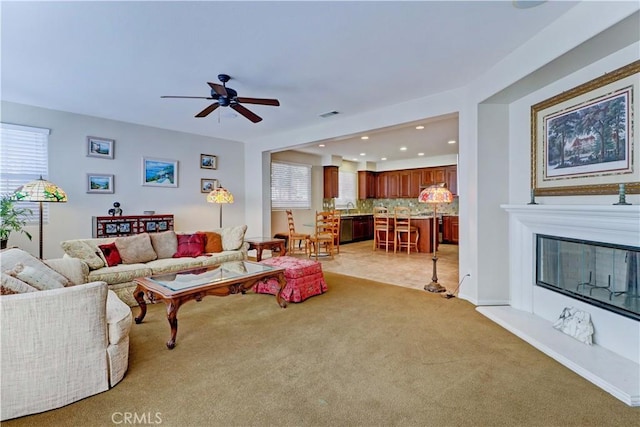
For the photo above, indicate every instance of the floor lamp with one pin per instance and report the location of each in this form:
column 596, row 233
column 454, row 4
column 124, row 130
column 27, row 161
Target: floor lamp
column 40, row 191
column 220, row 196
column 435, row 194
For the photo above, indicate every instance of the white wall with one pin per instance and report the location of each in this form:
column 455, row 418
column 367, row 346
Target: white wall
column 581, row 23
column 68, row 166
column 300, row 216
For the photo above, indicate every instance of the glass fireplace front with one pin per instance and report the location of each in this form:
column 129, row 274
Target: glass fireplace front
column 601, row 274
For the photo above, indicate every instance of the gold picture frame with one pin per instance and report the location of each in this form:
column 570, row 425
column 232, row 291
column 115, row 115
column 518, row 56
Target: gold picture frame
column 585, row 141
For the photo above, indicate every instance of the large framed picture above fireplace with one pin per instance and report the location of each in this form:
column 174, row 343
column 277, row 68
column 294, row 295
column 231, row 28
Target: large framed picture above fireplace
column 586, row 140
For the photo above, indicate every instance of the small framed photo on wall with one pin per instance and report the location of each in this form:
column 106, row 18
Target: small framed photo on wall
column 100, row 147
column 208, row 185
column 208, row 161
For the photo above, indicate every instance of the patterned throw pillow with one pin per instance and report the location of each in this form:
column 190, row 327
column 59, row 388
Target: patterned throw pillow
column 165, row 244
column 190, row 245
column 135, row 249
column 84, row 251
column 111, row 254
column 10, row 285
column 233, row 237
column 213, row 243
column 41, row 278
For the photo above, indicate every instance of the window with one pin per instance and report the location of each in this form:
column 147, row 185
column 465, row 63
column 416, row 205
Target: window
column 290, row 186
column 347, row 182
column 23, row 158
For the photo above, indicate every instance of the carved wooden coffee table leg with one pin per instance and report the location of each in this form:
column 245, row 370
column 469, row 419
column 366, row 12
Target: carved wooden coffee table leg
column 172, row 316
column 282, row 282
column 138, row 294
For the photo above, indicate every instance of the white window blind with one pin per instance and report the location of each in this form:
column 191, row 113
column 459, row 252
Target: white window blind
column 23, row 158
column 347, row 183
column 290, row 186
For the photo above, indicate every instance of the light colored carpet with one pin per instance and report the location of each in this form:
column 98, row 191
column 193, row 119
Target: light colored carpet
column 362, row 354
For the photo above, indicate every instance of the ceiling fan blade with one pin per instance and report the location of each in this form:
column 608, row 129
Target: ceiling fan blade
column 193, row 97
column 219, row 89
column 247, row 113
column 261, row 101
column 208, row 110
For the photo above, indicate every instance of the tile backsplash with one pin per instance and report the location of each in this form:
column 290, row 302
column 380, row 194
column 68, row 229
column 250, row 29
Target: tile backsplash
column 366, row 206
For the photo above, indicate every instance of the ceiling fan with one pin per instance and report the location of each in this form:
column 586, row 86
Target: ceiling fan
column 227, row 97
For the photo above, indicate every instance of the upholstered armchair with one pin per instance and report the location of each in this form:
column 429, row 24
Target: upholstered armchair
column 59, row 344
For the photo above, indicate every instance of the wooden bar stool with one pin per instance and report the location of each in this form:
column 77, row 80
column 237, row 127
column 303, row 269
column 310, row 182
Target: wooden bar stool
column 383, row 234
column 402, row 227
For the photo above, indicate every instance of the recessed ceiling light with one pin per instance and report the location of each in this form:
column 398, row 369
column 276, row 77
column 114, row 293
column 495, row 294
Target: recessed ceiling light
column 355, row 159
column 452, row 142
column 364, row 137
column 320, row 145
column 420, row 154
column 403, row 148
column 419, row 127
column 363, row 154
column 383, row 158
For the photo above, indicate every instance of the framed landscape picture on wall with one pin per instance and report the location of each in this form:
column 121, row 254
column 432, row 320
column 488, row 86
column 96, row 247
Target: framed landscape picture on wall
column 585, row 140
column 99, row 183
column 100, row 147
column 159, row 172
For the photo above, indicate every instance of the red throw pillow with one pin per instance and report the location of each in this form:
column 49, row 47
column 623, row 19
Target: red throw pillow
column 111, row 254
column 190, row 245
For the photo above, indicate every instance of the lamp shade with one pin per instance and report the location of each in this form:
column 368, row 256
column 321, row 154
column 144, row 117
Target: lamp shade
column 220, row 195
column 40, row 190
column 435, row 194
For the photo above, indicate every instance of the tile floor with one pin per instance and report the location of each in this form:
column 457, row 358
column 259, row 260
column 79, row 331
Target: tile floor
column 410, row 270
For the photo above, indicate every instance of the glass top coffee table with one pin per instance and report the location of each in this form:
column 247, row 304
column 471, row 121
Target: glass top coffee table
column 194, row 284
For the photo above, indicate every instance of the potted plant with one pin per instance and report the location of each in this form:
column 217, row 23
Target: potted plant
column 12, row 218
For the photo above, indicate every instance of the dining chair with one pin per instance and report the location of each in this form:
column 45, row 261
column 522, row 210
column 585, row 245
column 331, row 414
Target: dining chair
column 296, row 239
column 325, row 233
column 383, row 233
column 402, row 227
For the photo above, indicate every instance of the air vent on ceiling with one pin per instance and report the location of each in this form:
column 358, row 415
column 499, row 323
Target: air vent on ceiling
column 328, row 114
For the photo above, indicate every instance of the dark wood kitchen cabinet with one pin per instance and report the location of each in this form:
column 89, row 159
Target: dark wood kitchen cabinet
column 330, row 182
column 366, row 185
column 362, row 227
column 381, row 186
column 404, row 183
column 450, row 226
column 393, row 184
column 451, row 178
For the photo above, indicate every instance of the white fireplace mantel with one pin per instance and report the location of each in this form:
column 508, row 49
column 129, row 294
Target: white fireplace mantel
column 613, row 362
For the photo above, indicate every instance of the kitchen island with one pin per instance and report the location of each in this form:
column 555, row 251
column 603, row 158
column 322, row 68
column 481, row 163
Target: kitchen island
column 352, row 224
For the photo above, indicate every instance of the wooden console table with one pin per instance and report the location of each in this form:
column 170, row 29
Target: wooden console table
column 115, row 226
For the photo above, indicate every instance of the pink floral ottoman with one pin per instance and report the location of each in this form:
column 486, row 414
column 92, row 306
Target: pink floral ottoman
column 304, row 279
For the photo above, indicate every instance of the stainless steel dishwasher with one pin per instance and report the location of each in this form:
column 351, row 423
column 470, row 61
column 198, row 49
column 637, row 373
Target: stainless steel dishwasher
column 346, row 229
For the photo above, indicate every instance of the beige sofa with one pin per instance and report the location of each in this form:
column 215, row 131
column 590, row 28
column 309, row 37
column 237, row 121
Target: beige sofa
column 154, row 259
column 62, row 339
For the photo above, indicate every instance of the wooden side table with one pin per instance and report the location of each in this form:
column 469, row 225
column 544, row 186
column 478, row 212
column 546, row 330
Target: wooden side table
column 262, row 243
